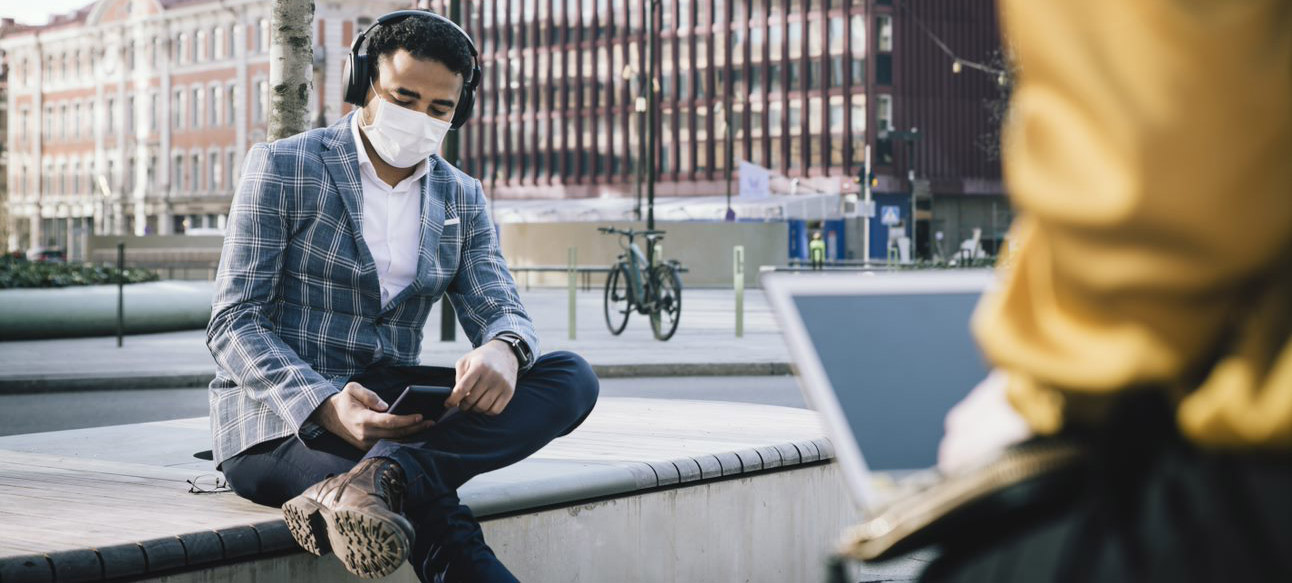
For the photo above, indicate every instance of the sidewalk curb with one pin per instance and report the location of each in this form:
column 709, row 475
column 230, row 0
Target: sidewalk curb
column 95, row 382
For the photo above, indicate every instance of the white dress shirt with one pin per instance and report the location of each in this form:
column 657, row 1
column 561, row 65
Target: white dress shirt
column 392, row 221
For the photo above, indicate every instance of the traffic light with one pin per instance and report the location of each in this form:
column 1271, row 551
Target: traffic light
column 868, row 176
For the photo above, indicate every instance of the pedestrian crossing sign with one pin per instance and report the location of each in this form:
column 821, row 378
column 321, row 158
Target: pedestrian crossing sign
column 890, row 215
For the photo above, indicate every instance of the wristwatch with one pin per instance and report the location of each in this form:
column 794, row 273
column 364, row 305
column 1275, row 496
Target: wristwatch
column 524, row 356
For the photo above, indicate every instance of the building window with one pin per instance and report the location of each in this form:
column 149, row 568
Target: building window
column 196, row 172
column 153, row 106
column 228, row 170
column 230, row 104
column 835, row 42
column 262, row 35
column 213, row 170
column 230, row 43
column 129, row 178
column 884, row 68
column 111, row 116
column 177, row 174
column 177, row 110
column 884, row 112
column 260, row 102
column 213, row 108
column 129, row 126
column 857, row 28
column 195, row 108
column 885, row 26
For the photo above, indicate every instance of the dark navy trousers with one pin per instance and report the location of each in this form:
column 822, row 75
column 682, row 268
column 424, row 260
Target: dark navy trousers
column 551, row 400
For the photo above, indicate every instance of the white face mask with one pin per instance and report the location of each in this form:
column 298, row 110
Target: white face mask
column 401, row 136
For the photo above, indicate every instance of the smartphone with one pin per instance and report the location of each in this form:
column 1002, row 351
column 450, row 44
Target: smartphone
column 425, row 399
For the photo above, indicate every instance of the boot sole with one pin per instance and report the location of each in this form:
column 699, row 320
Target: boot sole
column 368, row 546
column 305, row 521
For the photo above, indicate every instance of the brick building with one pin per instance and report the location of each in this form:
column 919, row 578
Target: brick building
column 132, row 116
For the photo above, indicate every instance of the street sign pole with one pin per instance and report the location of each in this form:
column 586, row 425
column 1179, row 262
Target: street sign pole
column 868, row 216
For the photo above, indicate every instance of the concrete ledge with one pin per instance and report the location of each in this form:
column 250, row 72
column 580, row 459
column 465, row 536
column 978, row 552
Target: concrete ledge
column 757, row 527
column 644, row 490
column 16, row 385
column 92, row 310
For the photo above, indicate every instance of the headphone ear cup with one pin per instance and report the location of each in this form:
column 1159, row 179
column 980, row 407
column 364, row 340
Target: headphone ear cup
column 463, row 112
column 467, row 103
column 356, row 88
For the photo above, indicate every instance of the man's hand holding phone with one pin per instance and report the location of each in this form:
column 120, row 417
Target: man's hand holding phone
column 358, row 416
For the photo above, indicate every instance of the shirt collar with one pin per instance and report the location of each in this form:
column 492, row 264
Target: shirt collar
column 365, row 163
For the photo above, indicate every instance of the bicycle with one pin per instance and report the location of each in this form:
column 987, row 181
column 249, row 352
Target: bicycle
column 635, row 285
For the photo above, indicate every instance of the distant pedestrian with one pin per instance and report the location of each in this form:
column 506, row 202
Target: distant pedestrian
column 816, row 251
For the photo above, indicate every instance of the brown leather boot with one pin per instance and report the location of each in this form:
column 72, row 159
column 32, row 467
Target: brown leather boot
column 356, row 514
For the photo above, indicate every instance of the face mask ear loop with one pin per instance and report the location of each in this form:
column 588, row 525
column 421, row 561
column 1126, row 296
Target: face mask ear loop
column 376, row 95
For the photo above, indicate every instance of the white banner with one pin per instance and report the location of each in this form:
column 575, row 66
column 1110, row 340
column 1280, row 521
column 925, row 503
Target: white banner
column 755, row 181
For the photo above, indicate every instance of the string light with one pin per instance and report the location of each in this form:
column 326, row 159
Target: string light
column 957, row 64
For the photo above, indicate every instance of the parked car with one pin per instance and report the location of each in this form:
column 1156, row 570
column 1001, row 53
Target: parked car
column 47, row 255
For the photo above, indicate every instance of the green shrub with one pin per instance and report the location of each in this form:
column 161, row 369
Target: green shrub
column 23, row 274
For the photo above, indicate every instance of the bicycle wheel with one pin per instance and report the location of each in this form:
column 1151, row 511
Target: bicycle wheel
column 619, row 301
column 668, row 301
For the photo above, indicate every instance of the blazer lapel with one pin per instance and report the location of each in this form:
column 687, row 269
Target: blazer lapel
column 342, row 163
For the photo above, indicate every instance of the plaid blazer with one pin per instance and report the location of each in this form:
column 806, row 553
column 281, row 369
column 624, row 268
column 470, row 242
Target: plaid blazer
column 297, row 309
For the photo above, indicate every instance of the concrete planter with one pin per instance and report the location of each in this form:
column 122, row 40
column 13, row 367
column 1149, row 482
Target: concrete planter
column 163, row 306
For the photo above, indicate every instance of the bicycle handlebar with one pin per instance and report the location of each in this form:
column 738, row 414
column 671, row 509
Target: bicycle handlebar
column 630, row 232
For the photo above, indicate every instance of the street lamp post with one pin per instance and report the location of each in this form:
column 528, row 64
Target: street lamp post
column 452, row 151
column 652, row 113
column 630, row 75
column 730, row 156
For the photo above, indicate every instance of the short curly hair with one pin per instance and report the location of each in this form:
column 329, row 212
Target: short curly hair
column 424, row 38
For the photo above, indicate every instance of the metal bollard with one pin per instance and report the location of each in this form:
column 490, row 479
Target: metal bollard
column 738, row 281
column 573, row 284
column 121, row 293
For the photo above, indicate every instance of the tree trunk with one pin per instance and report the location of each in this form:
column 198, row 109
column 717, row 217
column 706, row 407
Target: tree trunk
column 291, row 67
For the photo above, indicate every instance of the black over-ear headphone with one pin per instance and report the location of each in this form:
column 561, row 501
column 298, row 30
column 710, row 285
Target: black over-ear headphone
column 360, row 67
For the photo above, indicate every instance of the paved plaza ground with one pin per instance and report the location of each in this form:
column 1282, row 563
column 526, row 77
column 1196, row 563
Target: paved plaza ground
column 705, row 344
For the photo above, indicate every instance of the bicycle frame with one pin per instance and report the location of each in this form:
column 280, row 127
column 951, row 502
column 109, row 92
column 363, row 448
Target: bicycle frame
column 635, row 259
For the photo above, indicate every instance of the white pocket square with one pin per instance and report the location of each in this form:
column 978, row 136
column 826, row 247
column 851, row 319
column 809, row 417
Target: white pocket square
column 452, row 221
